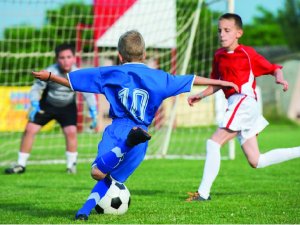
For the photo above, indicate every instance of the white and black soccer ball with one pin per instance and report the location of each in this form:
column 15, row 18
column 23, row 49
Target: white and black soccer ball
column 115, row 201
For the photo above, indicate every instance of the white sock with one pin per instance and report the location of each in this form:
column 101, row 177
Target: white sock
column 277, row 156
column 71, row 158
column 211, row 167
column 22, row 159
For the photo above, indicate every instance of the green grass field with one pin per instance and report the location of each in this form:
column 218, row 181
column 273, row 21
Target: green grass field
column 45, row 194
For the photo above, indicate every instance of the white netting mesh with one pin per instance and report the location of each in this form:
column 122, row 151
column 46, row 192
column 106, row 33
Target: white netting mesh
column 30, row 30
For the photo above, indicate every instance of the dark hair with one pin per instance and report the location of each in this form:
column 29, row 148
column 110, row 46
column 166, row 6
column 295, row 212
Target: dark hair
column 131, row 46
column 237, row 19
column 64, row 46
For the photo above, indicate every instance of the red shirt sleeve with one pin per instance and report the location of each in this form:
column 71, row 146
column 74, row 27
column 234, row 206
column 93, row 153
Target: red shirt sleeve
column 260, row 65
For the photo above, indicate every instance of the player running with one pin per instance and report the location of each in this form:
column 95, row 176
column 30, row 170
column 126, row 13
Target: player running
column 241, row 65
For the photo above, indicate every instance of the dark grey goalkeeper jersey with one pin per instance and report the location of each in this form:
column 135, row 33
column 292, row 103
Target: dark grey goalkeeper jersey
column 56, row 94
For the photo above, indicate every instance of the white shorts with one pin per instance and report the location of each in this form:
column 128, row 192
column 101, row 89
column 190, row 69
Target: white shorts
column 243, row 115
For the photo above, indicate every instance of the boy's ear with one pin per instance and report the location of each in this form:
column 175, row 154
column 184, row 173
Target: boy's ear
column 240, row 33
column 120, row 57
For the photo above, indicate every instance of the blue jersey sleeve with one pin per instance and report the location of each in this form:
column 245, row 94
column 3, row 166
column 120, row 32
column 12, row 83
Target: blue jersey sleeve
column 86, row 80
column 179, row 84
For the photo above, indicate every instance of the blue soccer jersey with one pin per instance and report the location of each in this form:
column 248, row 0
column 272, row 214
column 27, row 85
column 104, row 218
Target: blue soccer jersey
column 133, row 89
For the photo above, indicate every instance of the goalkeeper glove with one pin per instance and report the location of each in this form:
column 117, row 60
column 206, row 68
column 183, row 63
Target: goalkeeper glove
column 35, row 107
column 93, row 114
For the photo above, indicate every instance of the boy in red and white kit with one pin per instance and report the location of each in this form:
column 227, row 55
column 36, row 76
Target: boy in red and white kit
column 241, row 65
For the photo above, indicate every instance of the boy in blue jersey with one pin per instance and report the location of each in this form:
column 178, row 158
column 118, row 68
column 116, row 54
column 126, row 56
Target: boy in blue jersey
column 134, row 92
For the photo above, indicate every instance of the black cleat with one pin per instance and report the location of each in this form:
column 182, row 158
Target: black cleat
column 15, row 169
column 72, row 169
column 136, row 136
column 81, row 217
column 194, row 196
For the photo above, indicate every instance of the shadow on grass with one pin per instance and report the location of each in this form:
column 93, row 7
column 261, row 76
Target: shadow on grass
column 38, row 212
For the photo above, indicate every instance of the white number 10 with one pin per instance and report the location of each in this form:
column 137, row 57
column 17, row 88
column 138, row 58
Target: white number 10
column 139, row 103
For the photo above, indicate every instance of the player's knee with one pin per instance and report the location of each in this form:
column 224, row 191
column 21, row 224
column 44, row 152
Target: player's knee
column 97, row 174
column 70, row 131
column 29, row 132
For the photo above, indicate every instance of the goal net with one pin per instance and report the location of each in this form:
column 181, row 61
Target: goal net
column 180, row 37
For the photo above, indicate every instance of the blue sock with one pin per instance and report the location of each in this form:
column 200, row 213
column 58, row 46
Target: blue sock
column 97, row 193
column 107, row 162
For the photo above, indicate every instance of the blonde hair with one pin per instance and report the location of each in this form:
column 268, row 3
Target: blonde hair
column 131, row 46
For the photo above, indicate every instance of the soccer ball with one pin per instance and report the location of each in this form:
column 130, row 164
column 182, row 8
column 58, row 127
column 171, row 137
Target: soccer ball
column 115, row 201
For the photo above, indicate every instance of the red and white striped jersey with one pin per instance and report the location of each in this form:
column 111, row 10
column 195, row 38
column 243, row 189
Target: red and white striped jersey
column 240, row 66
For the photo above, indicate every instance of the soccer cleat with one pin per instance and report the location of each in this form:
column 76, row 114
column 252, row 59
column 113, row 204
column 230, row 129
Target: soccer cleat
column 136, row 136
column 17, row 169
column 81, row 217
column 72, row 169
column 194, row 196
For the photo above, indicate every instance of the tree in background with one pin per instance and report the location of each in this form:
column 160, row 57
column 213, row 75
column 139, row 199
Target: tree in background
column 60, row 26
column 289, row 19
column 21, row 43
column 25, row 45
column 281, row 28
column 264, row 30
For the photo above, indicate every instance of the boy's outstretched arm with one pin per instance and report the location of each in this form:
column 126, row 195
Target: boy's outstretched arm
column 197, row 97
column 206, row 81
column 48, row 76
column 280, row 80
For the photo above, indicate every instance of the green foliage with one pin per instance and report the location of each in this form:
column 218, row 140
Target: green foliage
column 60, row 27
column 289, row 19
column 264, row 31
column 270, row 29
column 70, row 14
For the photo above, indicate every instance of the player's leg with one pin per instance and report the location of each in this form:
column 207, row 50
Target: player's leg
column 97, row 192
column 124, row 168
column 275, row 156
column 25, row 148
column 67, row 118
column 227, row 130
column 70, row 133
column 109, row 160
column 212, row 163
column 129, row 164
column 32, row 128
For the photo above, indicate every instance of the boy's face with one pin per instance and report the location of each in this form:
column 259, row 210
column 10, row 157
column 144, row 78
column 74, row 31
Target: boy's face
column 229, row 34
column 66, row 60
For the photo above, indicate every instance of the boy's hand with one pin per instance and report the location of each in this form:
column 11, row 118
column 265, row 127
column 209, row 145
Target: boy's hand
column 236, row 88
column 194, row 98
column 41, row 75
column 284, row 83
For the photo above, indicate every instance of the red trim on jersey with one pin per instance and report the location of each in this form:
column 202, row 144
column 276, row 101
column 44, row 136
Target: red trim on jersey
column 234, row 112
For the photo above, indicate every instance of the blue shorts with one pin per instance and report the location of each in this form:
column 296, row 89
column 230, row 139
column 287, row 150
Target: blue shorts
column 117, row 133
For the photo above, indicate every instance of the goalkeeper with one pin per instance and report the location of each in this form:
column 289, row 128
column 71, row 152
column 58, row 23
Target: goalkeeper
column 135, row 92
column 50, row 100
